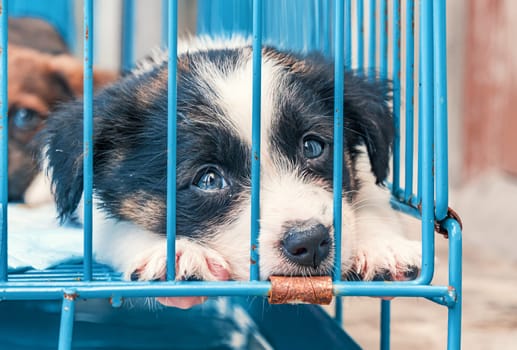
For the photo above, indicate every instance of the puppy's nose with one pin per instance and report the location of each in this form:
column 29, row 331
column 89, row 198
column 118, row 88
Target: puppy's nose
column 306, row 243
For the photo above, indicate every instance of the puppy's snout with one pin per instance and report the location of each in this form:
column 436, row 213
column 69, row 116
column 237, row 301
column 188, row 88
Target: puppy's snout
column 306, row 243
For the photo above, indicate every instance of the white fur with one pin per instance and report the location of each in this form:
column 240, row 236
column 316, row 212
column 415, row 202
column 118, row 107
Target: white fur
column 38, row 193
column 236, row 96
column 379, row 244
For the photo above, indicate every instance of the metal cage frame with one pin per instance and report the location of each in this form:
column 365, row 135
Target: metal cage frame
column 429, row 204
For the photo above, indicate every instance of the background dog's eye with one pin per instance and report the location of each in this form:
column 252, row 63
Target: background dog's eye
column 312, row 148
column 24, row 118
column 209, row 179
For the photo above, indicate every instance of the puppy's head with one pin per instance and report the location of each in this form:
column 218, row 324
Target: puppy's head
column 214, row 152
column 37, row 83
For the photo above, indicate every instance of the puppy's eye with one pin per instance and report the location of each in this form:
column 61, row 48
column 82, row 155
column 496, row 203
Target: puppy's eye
column 209, row 179
column 312, row 148
column 24, row 118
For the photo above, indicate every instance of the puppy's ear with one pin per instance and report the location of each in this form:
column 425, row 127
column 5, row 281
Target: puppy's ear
column 368, row 121
column 62, row 144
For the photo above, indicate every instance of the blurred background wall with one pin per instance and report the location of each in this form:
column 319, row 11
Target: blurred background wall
column 490, row 87
column 482, row 77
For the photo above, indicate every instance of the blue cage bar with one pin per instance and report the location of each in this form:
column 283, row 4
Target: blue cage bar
column 171, row 139
column 88, row 138
column 339, row 66
column 255, row 139
column 3, row 141
column 329, row 28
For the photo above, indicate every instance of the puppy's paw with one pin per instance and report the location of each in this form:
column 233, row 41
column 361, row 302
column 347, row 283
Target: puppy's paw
column 193, row 262
column 393, row 259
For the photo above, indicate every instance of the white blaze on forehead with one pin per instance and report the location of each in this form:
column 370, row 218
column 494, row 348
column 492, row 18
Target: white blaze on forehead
column 235, row 92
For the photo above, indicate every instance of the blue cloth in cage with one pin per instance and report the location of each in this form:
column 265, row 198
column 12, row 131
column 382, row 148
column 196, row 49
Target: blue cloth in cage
column 36, row 240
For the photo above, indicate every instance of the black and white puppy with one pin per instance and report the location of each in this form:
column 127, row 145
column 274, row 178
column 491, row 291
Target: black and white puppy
column 213, row 169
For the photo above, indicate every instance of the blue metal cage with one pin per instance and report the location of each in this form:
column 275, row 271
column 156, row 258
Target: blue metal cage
column 341, row 29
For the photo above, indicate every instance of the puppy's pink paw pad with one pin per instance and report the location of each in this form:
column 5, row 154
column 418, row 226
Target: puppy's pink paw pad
column 181, row 302
column 195, row 262
column 218, row 270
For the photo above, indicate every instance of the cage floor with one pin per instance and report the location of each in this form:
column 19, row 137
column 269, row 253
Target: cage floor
column 65, row 273
column 220, row 323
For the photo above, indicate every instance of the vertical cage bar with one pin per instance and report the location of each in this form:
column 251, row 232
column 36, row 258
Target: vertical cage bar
column 255, row 142
column 327, row 48
column 88, row 137
column 66, row 326
column 419, row 117
column 427, row 132
column 419, row 137
column 338, row 131
column 385, row 324
column 274, row 23
column 410, row 84
column 239, row 17
column 383, row 39
column 317, row 24
column 372, row 40
column 396, row 95
column 348, row 34
column 339, row 76
column 171, row 138
column 291, row 36
column 440, row 108
column 4, row 140
column 226, row 20
column 360, row 36
column 455, row 280
column 308, row 41
column 128, row 30
column 216, row 20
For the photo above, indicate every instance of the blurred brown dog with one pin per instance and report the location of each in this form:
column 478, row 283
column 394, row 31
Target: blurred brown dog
column 42, row 74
